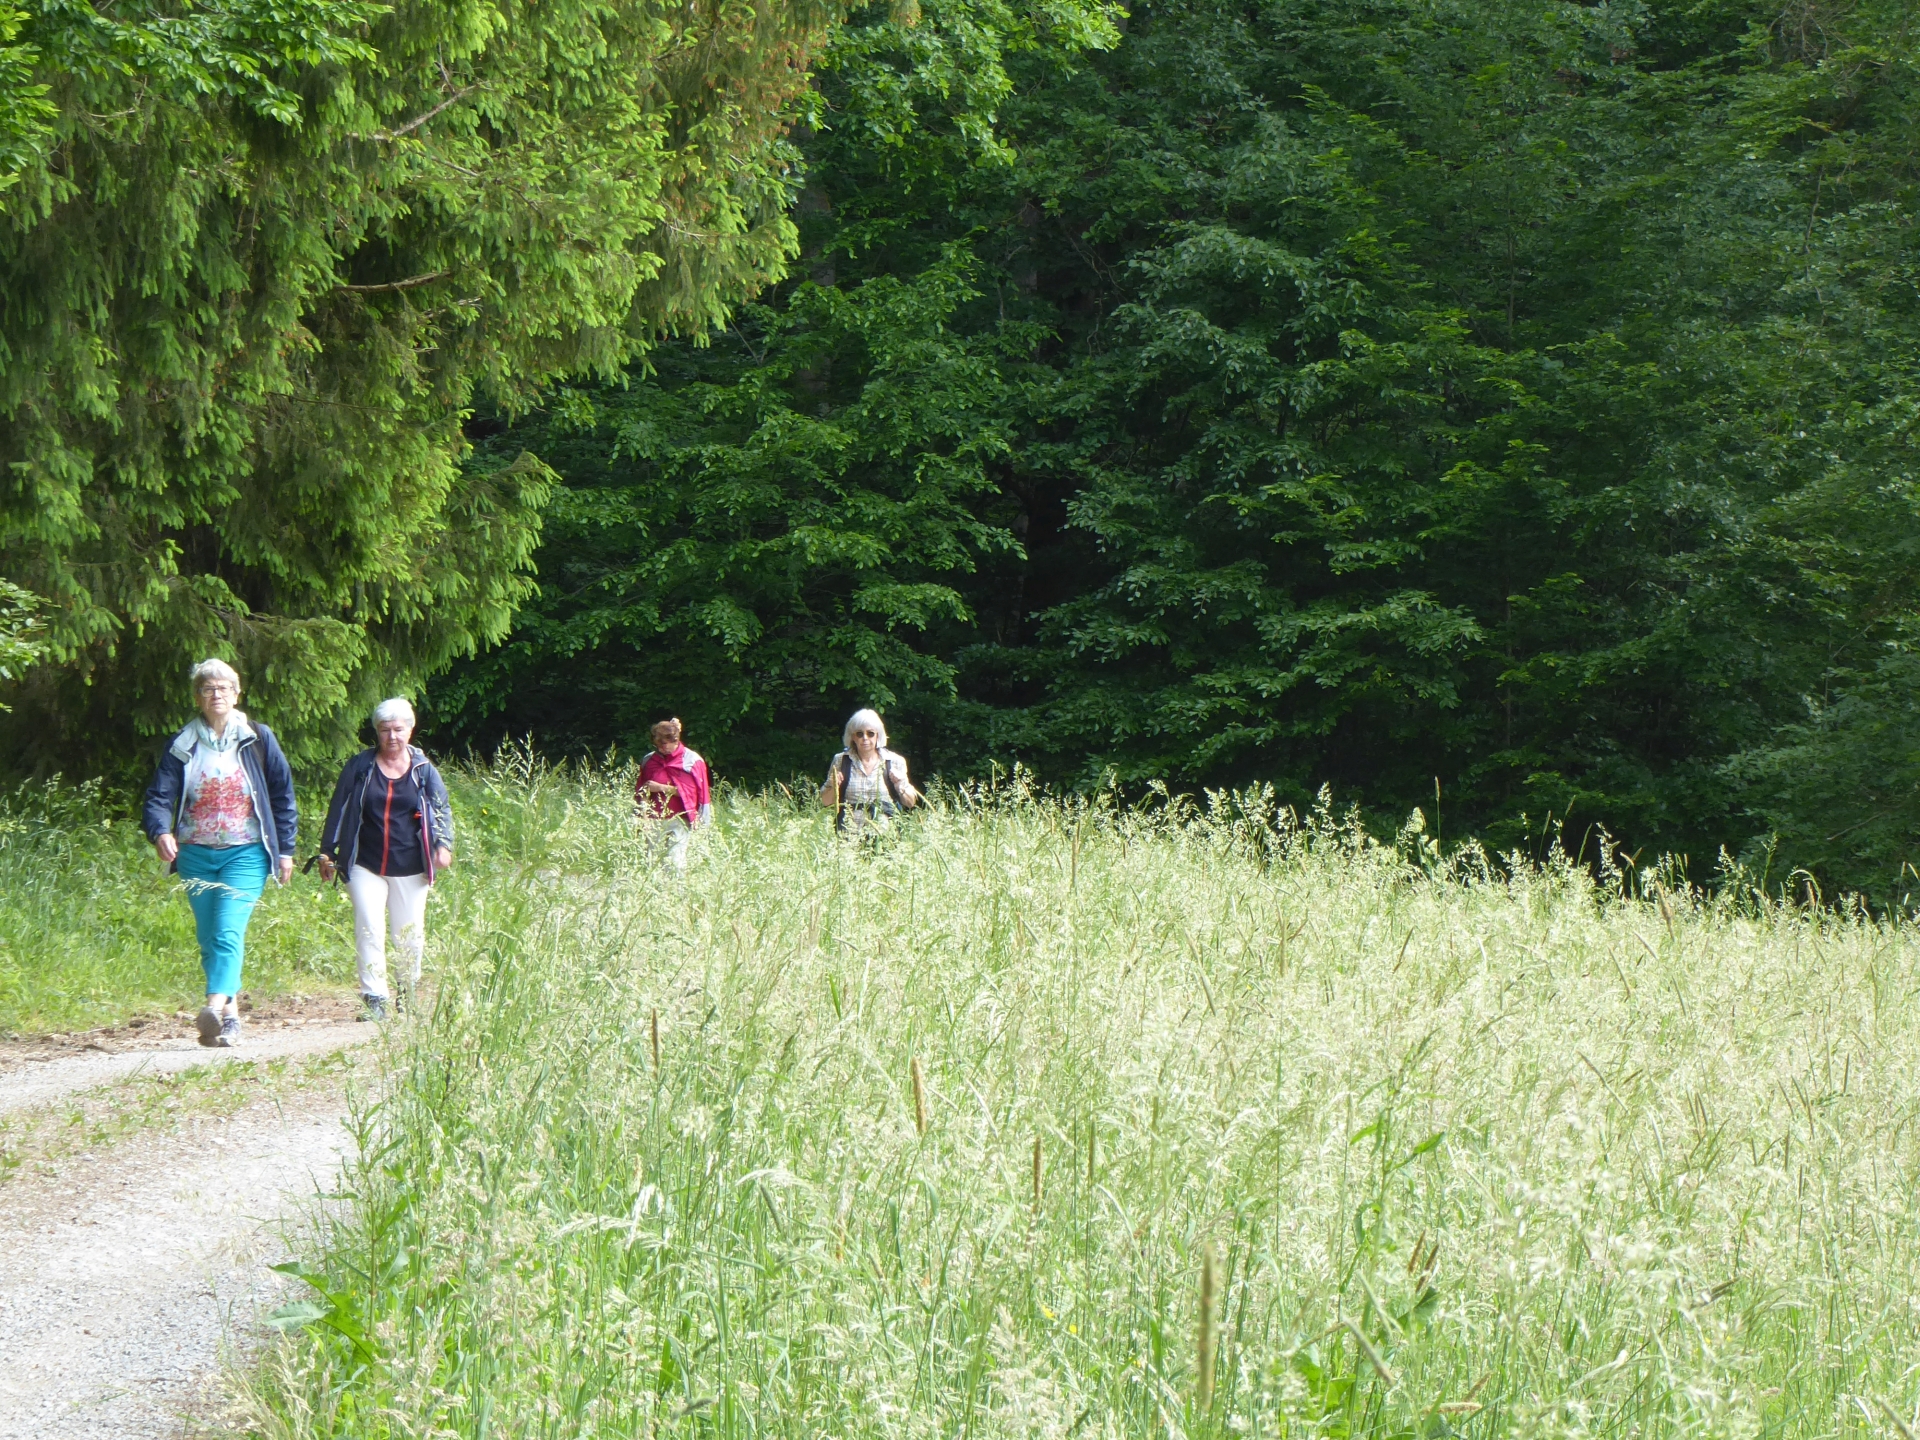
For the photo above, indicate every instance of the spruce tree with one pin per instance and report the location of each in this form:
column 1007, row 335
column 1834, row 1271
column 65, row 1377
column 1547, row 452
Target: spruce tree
column 261, row 261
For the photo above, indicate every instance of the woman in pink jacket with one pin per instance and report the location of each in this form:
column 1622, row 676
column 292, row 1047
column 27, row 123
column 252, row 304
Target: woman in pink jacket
column 674, row 791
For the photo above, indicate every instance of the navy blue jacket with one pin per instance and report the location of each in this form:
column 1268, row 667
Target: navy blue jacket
column 267, row 773
column 340, row 836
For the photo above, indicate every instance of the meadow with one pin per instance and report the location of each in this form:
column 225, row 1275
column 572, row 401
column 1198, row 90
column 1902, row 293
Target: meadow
column 1070, row 1119
column 94, row 931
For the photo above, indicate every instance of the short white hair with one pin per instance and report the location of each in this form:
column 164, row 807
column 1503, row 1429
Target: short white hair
column 864, row 720
column 213, row 670
column 398, row 708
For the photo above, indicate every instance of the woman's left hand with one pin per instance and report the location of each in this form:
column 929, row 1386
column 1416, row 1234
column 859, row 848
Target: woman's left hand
column 286, row 868
column 909, row 796
column 442, row 857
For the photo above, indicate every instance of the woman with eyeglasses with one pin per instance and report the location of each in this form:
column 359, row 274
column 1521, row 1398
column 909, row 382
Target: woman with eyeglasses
column 868, row 783
column 221, row 813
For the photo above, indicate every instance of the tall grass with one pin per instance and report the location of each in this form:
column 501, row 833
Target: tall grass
column 1450, row 1149
column 93, row 929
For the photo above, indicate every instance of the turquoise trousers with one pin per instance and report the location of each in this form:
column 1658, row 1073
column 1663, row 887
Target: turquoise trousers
column 223, row 885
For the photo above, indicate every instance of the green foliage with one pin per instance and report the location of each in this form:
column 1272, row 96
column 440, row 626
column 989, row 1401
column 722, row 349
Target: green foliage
column 1516, row 398
column 740, row 554
column 94, row 930
column 1477, row 1150
column 784, row 515
column 21, row 628
column 266, row 259
column 24, row 107
column 1840, row 791
column 1497, row 405
column 1512, row 402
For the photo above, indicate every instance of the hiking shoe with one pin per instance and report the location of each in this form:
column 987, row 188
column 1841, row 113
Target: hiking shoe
column 208, row 1024
column 376, row 1007
column 229, row 1032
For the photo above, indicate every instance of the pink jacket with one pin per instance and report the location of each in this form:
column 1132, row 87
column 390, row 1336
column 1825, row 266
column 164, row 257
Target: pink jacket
column 687, row 773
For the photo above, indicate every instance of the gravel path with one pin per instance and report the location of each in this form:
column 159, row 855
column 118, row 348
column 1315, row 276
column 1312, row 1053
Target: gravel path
column 24, row 1084
column 125, row 1274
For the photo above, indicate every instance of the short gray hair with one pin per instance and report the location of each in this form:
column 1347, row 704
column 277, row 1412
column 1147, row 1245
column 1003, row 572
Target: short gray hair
column 864, row 720
column 213, row 670
column 394, row 709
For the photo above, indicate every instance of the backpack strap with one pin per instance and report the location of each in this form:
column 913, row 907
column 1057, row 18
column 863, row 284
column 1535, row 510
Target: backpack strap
column 886, row 774
column 846, row 779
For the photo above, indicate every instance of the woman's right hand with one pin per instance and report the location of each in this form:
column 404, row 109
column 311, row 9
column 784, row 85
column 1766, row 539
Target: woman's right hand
column 326, row 869
column 168, row 847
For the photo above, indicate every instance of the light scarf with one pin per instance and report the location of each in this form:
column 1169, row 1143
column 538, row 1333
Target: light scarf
column 236, row 731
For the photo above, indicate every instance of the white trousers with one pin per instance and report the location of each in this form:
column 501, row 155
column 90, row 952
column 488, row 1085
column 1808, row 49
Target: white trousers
column 672, row 835
column 400, row 901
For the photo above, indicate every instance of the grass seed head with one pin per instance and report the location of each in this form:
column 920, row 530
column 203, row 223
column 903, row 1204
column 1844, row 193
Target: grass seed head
column 1203, row 1348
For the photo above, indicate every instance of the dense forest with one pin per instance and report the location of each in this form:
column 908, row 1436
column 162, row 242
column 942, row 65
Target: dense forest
column 1506, row 408
column 1512, row 396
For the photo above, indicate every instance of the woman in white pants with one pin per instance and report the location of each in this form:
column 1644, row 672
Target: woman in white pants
column 389, row 831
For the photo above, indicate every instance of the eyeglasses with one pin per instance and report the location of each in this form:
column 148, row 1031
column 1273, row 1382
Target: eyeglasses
column 219, row 687
column 870, row 734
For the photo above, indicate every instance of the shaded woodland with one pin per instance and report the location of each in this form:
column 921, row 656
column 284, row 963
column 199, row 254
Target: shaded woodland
column 1504, row 408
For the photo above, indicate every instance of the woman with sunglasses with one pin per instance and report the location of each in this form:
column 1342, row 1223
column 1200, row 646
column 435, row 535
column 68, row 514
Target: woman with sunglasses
column 868, row 783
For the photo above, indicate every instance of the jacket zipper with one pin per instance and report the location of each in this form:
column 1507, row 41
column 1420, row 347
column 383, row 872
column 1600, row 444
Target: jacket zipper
column 360, row 804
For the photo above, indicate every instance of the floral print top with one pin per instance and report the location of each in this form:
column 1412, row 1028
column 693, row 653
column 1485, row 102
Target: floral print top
column 219, row 809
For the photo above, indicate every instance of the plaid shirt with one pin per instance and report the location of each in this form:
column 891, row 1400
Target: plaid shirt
column 866, row 791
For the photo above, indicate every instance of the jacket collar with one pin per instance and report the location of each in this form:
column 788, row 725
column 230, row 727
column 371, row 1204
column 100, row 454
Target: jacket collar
column 416, row 757
column 182, row 745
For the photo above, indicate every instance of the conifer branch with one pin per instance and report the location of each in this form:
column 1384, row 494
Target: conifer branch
column 416, row 123
column 407, row 284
